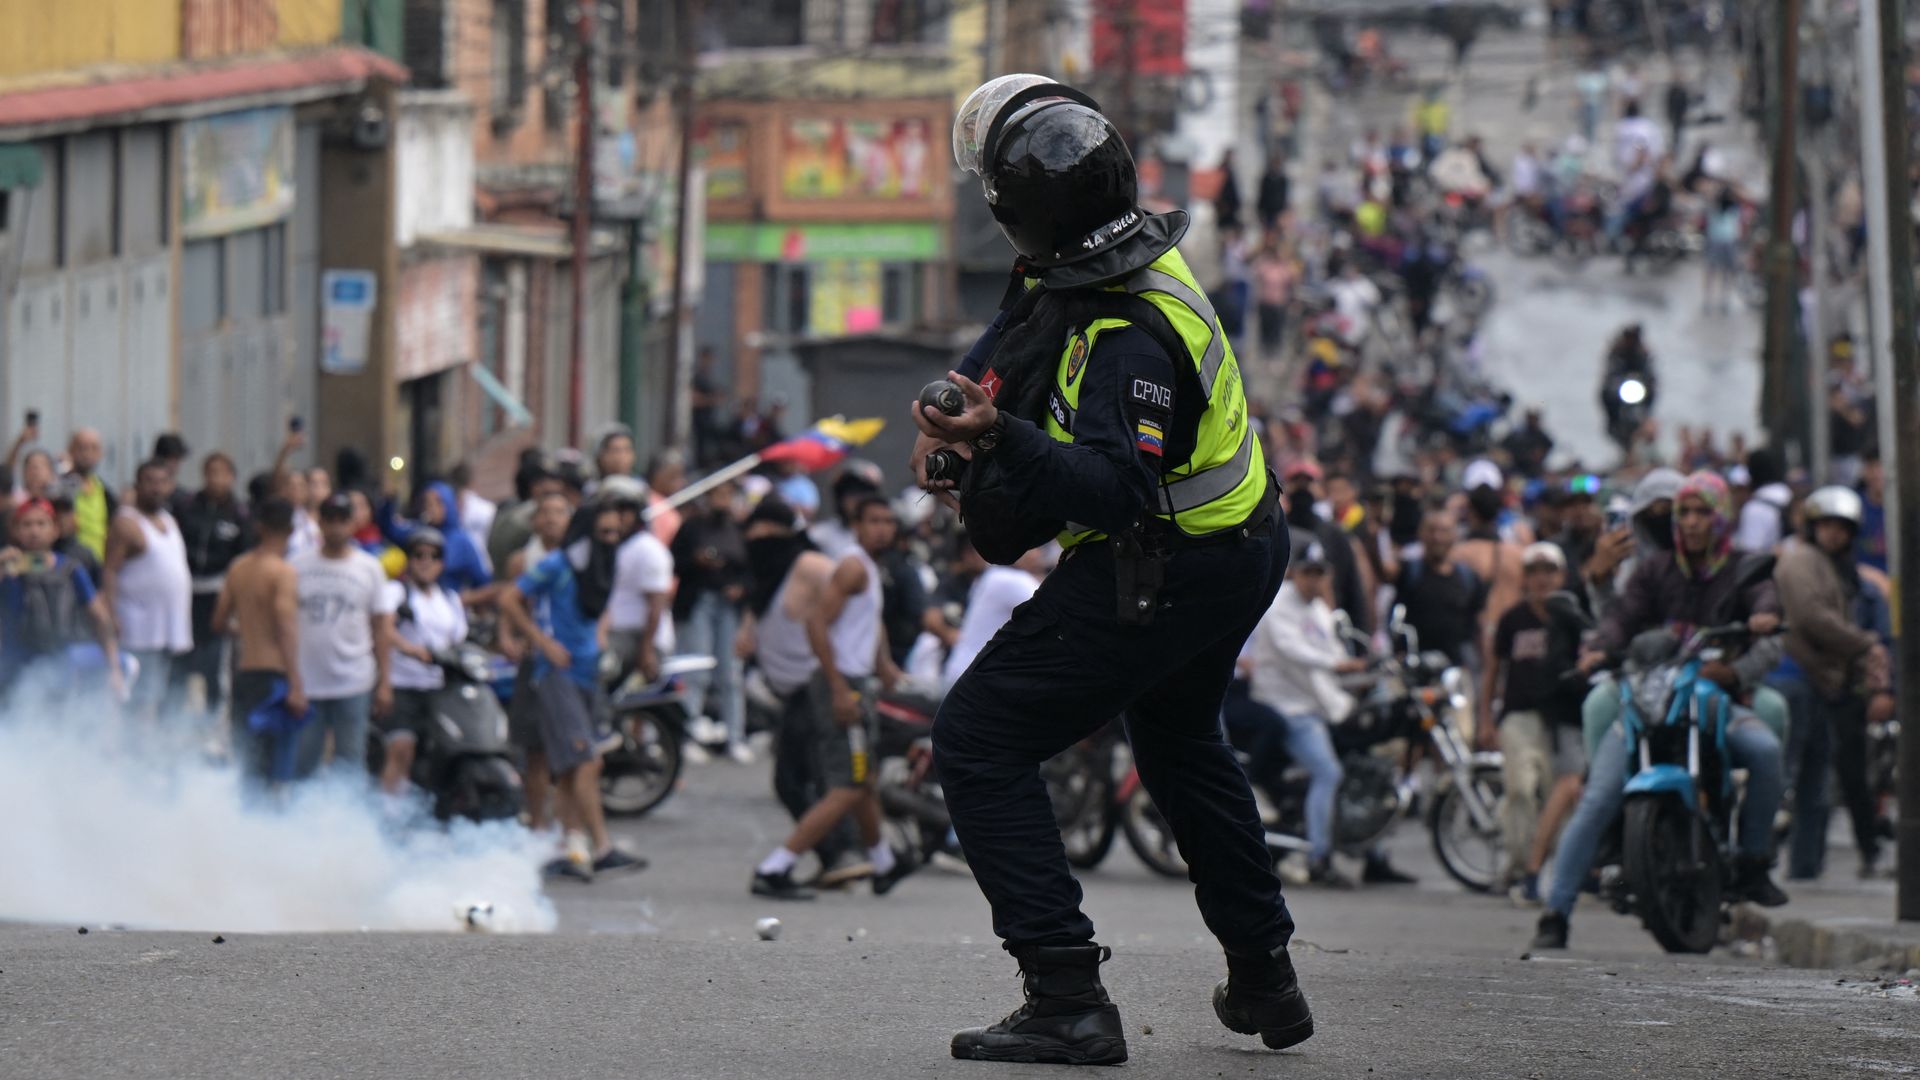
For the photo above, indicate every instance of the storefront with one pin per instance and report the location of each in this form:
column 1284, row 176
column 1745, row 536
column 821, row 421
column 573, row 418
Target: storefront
column 825, row 220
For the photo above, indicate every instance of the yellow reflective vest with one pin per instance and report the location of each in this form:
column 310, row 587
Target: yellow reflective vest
column 1221, row 483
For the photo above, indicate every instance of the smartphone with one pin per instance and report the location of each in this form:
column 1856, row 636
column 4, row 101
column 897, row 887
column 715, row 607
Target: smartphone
column 296, row 424
column 33, row 417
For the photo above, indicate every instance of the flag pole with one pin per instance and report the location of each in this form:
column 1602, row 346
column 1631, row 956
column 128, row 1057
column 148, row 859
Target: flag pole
column 703, row 485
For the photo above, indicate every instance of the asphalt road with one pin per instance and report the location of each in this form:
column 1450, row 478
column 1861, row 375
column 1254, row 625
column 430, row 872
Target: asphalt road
column 659, row 974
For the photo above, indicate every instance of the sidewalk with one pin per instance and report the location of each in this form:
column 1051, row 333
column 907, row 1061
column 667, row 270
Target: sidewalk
column 1834, row 923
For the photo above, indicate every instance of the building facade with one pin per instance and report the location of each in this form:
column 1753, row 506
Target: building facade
column 161, row 250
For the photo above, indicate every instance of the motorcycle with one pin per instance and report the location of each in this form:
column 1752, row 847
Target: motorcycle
column 1628, row 398
column 913, row 810
column 463, row 758
column 651, row 720
column 1672, row 859
column 1414, row 695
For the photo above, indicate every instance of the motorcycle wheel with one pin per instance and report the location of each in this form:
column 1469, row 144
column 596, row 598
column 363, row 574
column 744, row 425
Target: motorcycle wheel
column 481, row 789
column 1082, row 805
column 1677, row 898
column 644, row 770
column 1474, row 295
column 1150, row 837
column 1528, row 235
column 1475, row 858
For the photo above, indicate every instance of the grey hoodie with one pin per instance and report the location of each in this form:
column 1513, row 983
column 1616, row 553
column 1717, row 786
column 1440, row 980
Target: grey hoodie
column 1658, row 484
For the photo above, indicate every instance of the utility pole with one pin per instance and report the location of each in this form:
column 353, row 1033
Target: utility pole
column 680, row 400
column 1819, row 416
column 1883, row 33
column 582, row 216
column 1781, row 262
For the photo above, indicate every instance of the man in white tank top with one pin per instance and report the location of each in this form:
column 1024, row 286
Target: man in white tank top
column 149, row 587
column 851, row 645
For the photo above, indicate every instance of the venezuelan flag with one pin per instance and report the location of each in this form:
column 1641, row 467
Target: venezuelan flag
column 826, row 443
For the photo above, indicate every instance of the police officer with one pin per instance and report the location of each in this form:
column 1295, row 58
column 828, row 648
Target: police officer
column 1104, row 407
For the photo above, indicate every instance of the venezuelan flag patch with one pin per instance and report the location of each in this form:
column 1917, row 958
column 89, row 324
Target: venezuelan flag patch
column 1149, row 437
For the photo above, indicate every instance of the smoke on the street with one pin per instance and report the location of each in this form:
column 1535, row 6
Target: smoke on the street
column 100, row 827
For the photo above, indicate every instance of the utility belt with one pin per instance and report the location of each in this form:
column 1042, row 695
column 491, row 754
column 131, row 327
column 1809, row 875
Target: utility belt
column 1140, row 556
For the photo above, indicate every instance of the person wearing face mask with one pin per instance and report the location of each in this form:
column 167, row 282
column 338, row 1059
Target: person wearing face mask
column 1696, row 585
column 710, row 556
column 1620, row 551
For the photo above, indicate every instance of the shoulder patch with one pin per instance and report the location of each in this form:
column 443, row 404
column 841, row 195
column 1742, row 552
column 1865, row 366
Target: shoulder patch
column 1152, row 395
column 1150, row 438
column 1076, row 357
column 1062, row 413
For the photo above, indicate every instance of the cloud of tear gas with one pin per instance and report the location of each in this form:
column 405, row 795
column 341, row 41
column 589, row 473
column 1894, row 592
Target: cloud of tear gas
column 102, row 828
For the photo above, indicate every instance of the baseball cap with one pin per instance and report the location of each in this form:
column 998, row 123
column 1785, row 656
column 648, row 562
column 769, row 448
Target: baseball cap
column 1306, row 467
column 1543, row 553
column 1482, row 473
column 336, row 507
column 774, row 511
column 1308, row 554
column 620, row 489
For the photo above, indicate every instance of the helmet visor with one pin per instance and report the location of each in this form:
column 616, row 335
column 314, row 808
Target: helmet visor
column 976, row 116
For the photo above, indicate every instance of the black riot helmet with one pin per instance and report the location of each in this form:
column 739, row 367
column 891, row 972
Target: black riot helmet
column 1059, row 178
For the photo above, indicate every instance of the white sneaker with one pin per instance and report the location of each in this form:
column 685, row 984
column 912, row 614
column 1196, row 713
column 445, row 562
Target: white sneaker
column 693, row 752
column 740, row 752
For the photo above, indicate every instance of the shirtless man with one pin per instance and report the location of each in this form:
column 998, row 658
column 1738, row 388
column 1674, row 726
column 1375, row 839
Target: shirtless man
column 260, row 604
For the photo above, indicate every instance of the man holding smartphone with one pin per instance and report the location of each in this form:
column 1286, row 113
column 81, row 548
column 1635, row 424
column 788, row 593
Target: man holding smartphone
column 48, row 605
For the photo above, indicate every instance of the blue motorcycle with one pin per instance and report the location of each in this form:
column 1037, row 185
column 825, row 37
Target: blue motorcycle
column 1671, row 857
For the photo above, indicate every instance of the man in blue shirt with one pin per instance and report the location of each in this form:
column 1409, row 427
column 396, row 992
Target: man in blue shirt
column 575, row 582
column 46, row 603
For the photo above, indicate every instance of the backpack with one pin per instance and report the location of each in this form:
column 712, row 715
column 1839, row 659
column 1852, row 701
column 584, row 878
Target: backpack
column 49, row 609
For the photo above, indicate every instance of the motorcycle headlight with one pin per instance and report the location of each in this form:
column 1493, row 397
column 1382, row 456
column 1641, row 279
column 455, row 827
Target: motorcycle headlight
column 1633, row 391
column 1651, row 691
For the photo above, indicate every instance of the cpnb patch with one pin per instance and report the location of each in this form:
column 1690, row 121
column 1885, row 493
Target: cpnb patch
column 1149, row 438
column 1062, row 413
column 1152, row 394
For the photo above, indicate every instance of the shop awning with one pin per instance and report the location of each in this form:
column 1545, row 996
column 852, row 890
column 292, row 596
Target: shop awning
column 177, row 91
column 530, row 241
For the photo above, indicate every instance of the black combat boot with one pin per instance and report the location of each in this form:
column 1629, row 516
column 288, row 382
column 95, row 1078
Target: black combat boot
column 1067, row 1020
column 1260, row 996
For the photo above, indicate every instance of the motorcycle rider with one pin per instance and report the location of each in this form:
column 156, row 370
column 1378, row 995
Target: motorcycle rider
column 1693, row 586
column 1627, row 358
column 1115, row 421
column 1296, row 654
column 1832, row 665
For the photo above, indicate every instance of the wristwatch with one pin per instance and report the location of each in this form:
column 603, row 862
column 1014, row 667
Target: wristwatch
column 986, row 441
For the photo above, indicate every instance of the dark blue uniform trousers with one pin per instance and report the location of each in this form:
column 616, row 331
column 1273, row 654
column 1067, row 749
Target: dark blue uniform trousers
column 1062, row 667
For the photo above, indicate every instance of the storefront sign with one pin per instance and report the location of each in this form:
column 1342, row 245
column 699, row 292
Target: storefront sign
column 238, row 171
column 347, row 298
column 723, row 153
column 856, row 159
column 902, row 241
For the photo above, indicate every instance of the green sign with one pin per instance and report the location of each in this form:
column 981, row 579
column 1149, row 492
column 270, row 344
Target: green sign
column 892, row 241
column 19, row 165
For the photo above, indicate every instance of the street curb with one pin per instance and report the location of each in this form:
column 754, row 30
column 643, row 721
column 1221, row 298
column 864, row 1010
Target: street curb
column 1832, row 942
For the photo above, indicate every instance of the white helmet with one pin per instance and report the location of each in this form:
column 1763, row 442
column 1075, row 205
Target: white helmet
column 1833, row 502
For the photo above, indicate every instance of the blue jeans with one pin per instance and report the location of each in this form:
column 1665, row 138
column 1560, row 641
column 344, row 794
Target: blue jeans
column 347, row 719
column 1310, row 741
column 1752, row 746
column 708, row 630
